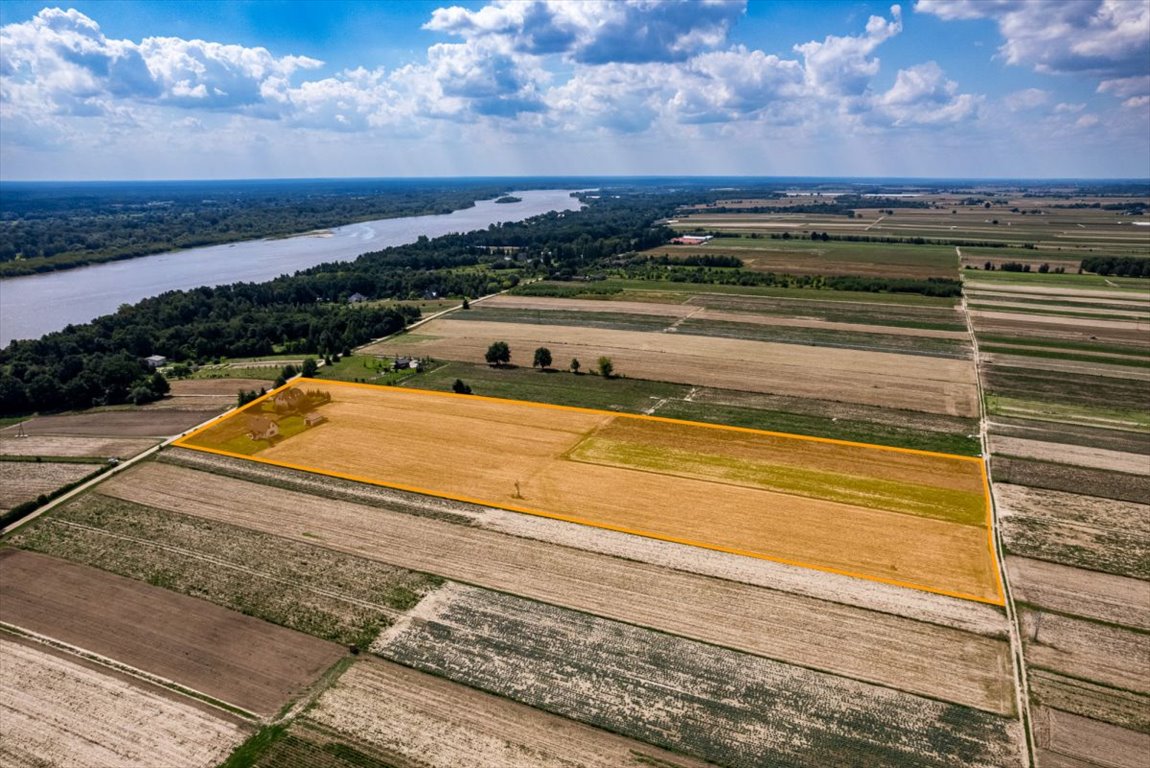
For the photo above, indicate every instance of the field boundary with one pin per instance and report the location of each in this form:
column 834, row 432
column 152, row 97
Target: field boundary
column 183, row 442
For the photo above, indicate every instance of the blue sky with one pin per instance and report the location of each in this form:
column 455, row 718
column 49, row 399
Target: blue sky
column 120, row 89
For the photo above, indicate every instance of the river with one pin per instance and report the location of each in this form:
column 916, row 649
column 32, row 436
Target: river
column 38, row 304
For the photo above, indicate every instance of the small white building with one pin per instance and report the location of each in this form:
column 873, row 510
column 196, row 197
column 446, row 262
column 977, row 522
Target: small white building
column 156, row 361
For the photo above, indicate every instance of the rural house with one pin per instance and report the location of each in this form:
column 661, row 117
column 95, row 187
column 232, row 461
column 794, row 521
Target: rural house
column 156, row 361
column 262, row 428
column 356, row 298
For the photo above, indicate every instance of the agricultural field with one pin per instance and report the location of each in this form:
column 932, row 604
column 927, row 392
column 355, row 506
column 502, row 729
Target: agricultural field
column 765, row 493
column 406, row 716
column 300, row 586
column 873, row 645
column 22, row 481
column 686, row 696
column 247, row 663
column 911, row 382
column 61, row 710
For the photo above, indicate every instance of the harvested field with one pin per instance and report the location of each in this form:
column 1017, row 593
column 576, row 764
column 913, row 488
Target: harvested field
column 304, row 587
column 22, row 481
column 704, row 701
column 59, row 711
column 1127, row 333
column 1079, row 456
column 137, row 422
column 853, row 312
column 894, row 381
column 44, row 445
column 1102, row 596
column 804, row 502
column 405, row 715
column 1072, row 434
column 1105, row 484
column 1125, row 709
column 911, row 603
column 1083, row 531
column 911, row 655
column 218, row 388
column 231, row 657
column 1068, row 740
column 1086, row 650
column 1029, row 360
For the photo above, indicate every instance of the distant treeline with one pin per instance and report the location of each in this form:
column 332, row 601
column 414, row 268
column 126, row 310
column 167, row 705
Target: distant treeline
column 842, row 205
column 697, row 261
column 1120, row 266
column 58, row 227
column 898, row 240
column 101, row 363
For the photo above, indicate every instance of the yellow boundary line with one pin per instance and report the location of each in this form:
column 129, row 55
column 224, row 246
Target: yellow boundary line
column 183, row 443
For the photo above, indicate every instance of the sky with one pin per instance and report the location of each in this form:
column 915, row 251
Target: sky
column 199, row 89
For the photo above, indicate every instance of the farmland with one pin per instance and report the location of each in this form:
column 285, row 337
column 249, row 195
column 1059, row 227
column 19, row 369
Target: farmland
column 964, row 667
column 57, row 711
column 547, row 467
column 225, row 655
column 692, row 698
column 22, row 481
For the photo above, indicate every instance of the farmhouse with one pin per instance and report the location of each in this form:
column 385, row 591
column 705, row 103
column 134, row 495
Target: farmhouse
column 262, row 428
column 404, row 363
column 356, row 298
column 691, row 239
column 156, row 361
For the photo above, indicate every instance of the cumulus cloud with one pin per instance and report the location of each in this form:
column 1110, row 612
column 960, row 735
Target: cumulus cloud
column 624, row 31
column 1100, row 37
column 1028, row 98
column 921, row 95
column 843, row 66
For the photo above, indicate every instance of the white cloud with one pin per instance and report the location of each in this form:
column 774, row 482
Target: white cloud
column 1028, row 98
column 631, row 31
column 921, row 95
column 1126, row 87
column 841, row 66
column 1099, row 37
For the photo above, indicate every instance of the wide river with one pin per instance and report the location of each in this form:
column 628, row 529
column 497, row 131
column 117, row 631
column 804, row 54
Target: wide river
column 38, row 304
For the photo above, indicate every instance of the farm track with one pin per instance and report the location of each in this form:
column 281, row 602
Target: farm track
column 901, row 653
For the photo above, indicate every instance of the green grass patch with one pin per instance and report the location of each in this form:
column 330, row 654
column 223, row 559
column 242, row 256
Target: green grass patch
column 1081, row 346
column 1133, row 285
column 1053, row 354
column 366, row 369
column 1053, row 312
column 1042, row 410
column 963, row 507
column 605, row 288
column 247, row 754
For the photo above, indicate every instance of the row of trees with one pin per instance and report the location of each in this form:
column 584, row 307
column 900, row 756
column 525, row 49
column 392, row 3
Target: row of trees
column 499, row 354
column 1121, row 266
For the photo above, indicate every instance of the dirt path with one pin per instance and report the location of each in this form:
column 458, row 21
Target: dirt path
column 1021, row 687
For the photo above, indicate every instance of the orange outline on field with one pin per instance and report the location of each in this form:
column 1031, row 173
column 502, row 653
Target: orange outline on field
column 182, row 442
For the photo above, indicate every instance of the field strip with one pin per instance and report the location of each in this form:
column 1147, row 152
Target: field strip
column 911, row 382
column 1092, row 594
column 1075, row 322
column 1061, row 453
column 1052, row 290
column 499, row 446
column 127, row 669
column 244, row 661
column 65, row 711
column 220, row 562
column 935, row 661
column 432, row 720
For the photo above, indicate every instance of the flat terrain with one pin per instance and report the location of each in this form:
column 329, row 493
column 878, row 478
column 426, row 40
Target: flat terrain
column 56, row 445
column 22, row 481
column 60, row 711
column 148, row 421
column 405, row 715
column 828, row 506
column 873, row 378
column 910, row 655
column 234, row 658
column 301, row 586
column 730, row 707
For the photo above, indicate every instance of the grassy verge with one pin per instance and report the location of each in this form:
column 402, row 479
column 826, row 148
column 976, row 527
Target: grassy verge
column 363, row 368
column 1097, row 282
column 247, row 754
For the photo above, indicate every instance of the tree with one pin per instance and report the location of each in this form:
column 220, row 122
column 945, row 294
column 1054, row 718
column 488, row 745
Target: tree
column 466, row 303
column 542, row 358
column 606, row 367
column 309, row 368
column 575, row 366
column 159, row 384
column 498, row 353
column 460, row 388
